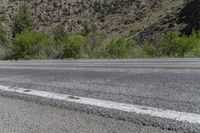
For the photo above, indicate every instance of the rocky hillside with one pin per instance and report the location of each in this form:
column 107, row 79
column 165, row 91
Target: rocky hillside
column 185, row 19
column 114, row 17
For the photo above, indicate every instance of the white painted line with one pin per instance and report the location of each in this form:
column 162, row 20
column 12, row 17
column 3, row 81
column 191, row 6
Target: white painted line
column 155, row 112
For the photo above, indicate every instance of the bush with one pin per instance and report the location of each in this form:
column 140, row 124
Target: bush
column 52, row 50
column 174, row 44
column 59, row 33
column 72, row 46
column 37, row 45
column 29, row 45
column 94, row 39
column 149, row 51
column 23, row 20
column 3, row 36
column 195, row 39
column 117, row 48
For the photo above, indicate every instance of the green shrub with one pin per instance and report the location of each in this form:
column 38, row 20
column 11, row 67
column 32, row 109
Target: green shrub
column 23, row 20
column 195, row 39
column 117, row 48
column 174, row 44
column 28, row 45
column 95, row 38
column 3, row 36
column 52, row 49
column 72, row 46
column 149, row 51
column 59, row 33
column 37, row 45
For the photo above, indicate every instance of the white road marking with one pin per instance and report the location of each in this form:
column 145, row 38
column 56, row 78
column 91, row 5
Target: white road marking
column 130, row 108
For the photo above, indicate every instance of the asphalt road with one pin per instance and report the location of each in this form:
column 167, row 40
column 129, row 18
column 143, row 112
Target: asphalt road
column 171, row 84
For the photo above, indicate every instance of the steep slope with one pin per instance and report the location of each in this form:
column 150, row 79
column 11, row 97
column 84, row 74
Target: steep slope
column 114, row 17
column 190, row 17
column 185, row 19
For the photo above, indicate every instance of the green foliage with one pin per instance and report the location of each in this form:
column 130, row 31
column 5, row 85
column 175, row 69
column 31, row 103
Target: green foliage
column 3, row 36
column 149, row 51
column 29, row 45
column 23, row 20
column 94, row 38
column 73, row 45
column 37, row 45
column 195, row 38
column 51, row 49
column 59, row 33
column 117, row 48
column 173, row 44
column 86, row 28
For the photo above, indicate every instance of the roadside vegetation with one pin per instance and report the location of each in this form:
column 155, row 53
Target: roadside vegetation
column 29, row 43
column 3, row 35
column 3, row 38
column 174, row 44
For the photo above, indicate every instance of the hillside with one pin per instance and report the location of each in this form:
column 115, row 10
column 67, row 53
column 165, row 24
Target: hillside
column 185, row 19
column 117, row 17
column 102, row 29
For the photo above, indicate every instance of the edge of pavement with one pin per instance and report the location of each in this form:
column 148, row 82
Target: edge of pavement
column 138, row 118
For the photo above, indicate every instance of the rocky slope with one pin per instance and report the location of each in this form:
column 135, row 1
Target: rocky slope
column 114, row 17
column 185, row 19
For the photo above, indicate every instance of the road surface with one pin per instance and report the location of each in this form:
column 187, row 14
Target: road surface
column 167, row 85
column 24, row 117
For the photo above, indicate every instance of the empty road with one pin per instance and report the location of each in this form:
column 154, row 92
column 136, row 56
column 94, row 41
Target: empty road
column 160, row 86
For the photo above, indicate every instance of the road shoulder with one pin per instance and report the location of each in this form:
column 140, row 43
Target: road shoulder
column 21, row 117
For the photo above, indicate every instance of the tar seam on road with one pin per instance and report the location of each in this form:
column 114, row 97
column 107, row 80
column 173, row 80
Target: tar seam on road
column 135, row 65
column 155, row 112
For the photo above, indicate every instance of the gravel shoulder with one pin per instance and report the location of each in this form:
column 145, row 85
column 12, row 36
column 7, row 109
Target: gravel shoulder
column 23, row 117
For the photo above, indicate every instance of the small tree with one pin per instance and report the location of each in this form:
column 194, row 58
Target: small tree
column 73, row 45
column 28, row 45
column 175, row 44
column 59, row 33
column 94, row 38
column 3, row 36
column 117, row 48
column 23, row 20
